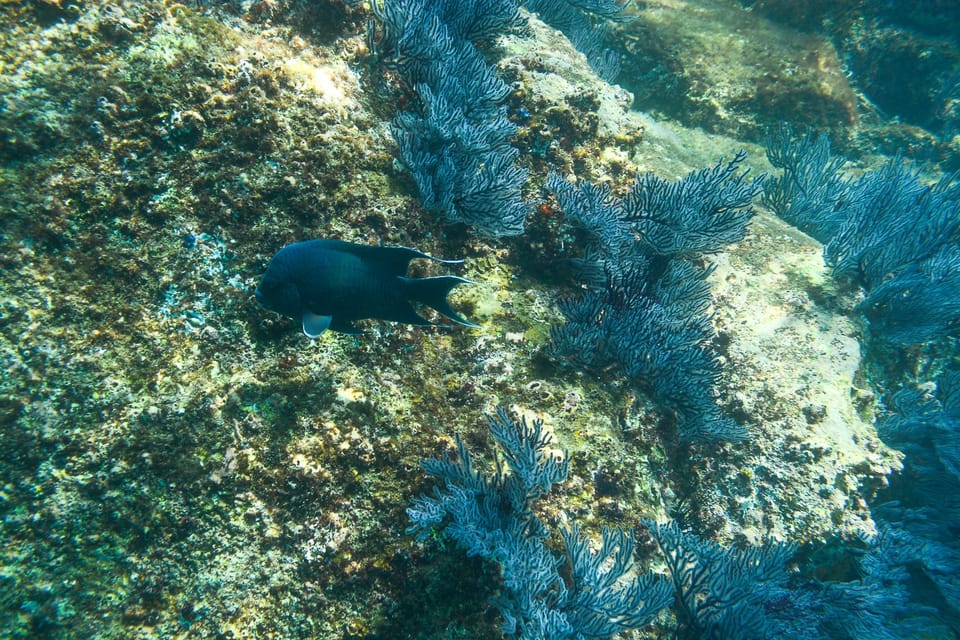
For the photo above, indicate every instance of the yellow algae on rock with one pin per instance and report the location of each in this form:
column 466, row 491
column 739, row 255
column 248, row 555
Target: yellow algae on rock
column 347, row 395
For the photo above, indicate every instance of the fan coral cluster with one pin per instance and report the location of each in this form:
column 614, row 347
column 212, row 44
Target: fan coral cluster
column 646, row 305
column 719, row 593
column 886, row 231
column 750, row 594
column 490, row 515
column 455, row 142
column 924, row 519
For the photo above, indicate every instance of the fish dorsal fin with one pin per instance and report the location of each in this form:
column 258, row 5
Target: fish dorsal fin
column 394, row 260
column 314, row 325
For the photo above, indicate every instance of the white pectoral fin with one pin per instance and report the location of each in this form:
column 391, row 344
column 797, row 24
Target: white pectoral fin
column 314, row 325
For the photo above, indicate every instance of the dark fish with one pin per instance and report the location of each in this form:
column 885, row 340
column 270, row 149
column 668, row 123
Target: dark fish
column 330, row 283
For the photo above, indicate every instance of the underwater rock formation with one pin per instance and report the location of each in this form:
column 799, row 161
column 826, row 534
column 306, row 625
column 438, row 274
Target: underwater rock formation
column 178, row 462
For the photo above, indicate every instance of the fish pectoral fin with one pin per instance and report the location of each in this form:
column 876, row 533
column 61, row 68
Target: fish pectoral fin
column 314, row 325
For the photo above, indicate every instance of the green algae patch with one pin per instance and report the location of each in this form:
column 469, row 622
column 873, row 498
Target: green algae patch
column 724, row 68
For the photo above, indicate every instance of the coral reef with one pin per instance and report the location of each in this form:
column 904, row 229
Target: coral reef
column 180, row 462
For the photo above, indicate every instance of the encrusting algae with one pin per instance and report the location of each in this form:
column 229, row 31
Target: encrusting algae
column 179, row 462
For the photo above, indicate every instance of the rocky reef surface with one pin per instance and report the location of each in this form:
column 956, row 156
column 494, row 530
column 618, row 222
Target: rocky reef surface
column 179, row 462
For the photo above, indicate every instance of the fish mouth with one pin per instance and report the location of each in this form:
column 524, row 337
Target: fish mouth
column 258, row 295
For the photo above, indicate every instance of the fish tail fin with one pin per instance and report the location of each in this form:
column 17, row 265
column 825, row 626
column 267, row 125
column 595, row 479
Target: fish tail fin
column 432, row 292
